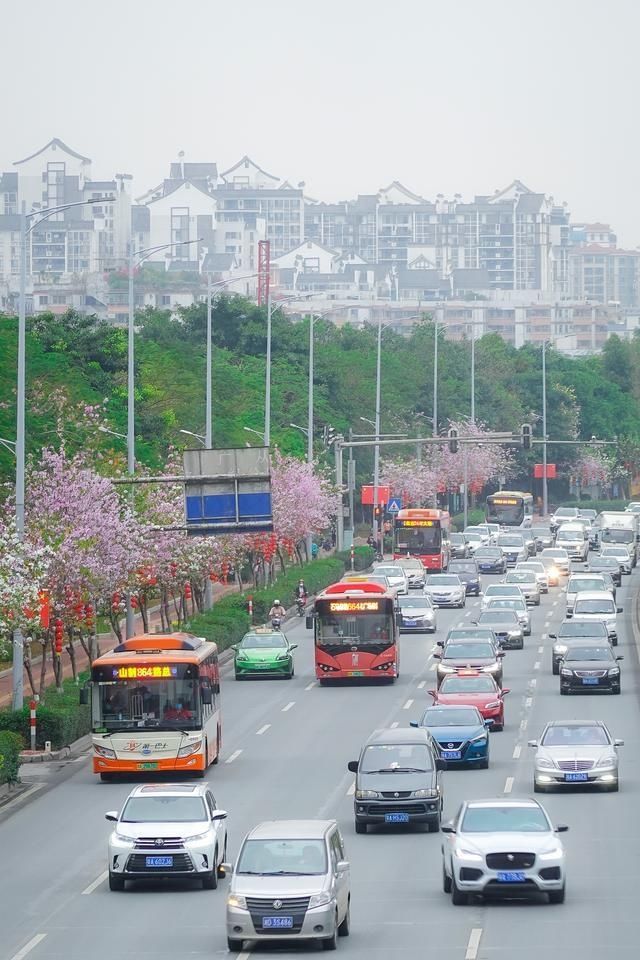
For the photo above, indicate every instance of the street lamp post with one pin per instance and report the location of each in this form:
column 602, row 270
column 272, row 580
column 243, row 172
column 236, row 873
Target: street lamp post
column 198, row 436
column 545, row 491
column 376, row 453
column 435, row 377
column 257, row 433
column 473, row 421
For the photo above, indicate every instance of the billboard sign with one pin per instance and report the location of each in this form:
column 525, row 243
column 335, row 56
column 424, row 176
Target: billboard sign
column 228, row 491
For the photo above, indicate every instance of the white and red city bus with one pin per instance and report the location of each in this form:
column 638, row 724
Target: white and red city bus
column 355, row 632
column 423, row 534
column 155, row 705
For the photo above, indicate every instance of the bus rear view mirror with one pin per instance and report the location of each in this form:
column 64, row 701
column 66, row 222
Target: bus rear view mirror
column 84, row 696
column 205, row 694
column 398, row 619
column 308, row 623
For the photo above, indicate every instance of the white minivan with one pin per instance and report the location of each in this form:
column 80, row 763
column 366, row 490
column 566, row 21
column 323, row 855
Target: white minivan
column 574, row 538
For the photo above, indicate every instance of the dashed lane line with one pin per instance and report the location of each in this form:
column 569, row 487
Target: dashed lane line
column 408, row 705
column 311, row 685
column 528, row 702
column 352, row 789
column 28, row 947
column 234, row 756
column 422, row 685
column 540, row 649
column 288, row 706
column 517, row 750
column 396, row 723
column 508, row 787
column 262, row 730
column 474, row 944
column 96, row 883
column 536, row 665
column 523, row 725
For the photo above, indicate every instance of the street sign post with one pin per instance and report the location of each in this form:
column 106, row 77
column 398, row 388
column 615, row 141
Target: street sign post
column 394, row 505
column 235, row 497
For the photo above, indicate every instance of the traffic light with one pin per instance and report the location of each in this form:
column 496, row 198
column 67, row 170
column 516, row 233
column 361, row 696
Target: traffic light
column 525, row 430
column 377, row 513
column 453, row 440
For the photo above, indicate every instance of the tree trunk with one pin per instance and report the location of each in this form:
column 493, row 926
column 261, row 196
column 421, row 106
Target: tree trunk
column 72, row 655
column 43, row 665
column 114, row 620
column 281, row 559
column 28, row 666
column 144, row 613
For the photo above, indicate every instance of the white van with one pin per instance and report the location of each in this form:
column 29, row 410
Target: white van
column 574, row 538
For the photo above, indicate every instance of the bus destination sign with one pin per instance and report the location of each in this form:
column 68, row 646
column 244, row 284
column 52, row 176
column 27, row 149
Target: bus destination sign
column 354, row 606
column 505, row 501
column 155, row 672
column 416, row 523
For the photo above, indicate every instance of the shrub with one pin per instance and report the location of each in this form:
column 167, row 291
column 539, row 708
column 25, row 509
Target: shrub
column 362, row 558
column 10, row 746
column 60, row 717
column 598, row 505
column 473, row 517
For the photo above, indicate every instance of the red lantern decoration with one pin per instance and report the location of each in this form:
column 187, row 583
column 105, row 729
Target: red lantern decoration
column 187, row 591
column 58, row 635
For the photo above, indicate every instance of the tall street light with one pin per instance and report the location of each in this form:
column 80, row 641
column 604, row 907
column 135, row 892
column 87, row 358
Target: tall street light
column 545, row 491
column 198, row 436
column 257, row 433
column 20, row 443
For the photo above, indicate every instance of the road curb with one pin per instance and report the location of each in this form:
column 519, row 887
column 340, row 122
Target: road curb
column 74, row 749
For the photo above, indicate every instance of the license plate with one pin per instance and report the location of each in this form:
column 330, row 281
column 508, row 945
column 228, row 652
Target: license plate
column 158, row 861
column 590, row 681
column 410, row 623
column 576, row 777
column 510, row 876
column 277, row 922
column 355, row 673
column 396, row 818
column 451, row 754
column 148, row 765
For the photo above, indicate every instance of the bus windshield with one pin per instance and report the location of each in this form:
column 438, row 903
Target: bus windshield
column 157, row 704
column 418, row 539
column 365, row 628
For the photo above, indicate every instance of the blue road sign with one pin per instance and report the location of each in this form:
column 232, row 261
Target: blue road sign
column 394, row 504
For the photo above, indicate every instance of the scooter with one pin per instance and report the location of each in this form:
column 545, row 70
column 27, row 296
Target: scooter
column 275, row 623
column 300, row 606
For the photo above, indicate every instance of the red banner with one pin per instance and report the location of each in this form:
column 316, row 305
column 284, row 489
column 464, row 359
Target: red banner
column 367, row 495
column 538, row 471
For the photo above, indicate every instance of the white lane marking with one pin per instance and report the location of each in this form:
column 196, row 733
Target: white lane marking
column 528, row 702
column 96, row 883
column 396, row 723
column 234, row 756
column 536, row 665
column 245, row 955
column 540, row 649
column 352, row 789
column 262, row 730
column 532, row 683
column 28, row 947
column 408, row 705
column 555, row 603
column 523, row 724
column 312, row 685
column 422, row 685
column 543, row 637
column 508, row 787
column 516, row 751
column 468, row 614
column 473, row 944
column 288, row 706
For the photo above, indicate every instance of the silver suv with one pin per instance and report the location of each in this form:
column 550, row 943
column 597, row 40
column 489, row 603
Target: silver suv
column 291, row 882
column 168, row 830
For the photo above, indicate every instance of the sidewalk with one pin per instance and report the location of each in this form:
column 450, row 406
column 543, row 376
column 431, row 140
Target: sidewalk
column 106, row 640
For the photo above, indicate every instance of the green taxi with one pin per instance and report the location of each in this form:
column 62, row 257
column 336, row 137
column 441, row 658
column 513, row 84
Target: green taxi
column 263, row 652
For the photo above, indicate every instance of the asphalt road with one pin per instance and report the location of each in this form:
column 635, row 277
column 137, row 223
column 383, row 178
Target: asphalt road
column 285, row 750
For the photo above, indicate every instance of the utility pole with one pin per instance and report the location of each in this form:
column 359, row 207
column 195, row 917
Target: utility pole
column 376, row 452
column 18, row 638
column 545, row 492
column 435, row 377
column 131, row 439
column 340, row 516
column 208, row 431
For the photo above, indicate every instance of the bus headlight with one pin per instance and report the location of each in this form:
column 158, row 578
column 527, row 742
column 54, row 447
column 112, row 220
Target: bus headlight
column 104, row 752
column 190, row 748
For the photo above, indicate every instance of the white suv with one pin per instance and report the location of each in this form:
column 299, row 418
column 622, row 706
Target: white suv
column 168, row 830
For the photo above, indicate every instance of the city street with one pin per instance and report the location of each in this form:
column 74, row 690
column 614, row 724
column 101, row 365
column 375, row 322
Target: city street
column 285, row 750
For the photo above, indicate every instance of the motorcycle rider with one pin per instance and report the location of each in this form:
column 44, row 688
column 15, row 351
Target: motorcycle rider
column 277, row 611
column 300, row 592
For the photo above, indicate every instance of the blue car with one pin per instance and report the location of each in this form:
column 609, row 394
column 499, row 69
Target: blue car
column 460, row 735
column 491, row 560
column 467, row 571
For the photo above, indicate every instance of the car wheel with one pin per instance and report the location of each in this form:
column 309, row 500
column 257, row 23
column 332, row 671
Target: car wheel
column 557, row 896
column 616, row 690
column 563, row 691
column 115, row 882
column 361, row 827
column 446, row 881
column 614, row 642
column 458, row 898
column 612, row 787
column 537, row 788
column 555, row 668
column 210, row 880
column 239, row 676
column 216, row 759
column 433, row 826
column 221, row 873
column 331, row 943
column 484, row 764
column 233, row 945
column 345, row 926
column 497, row 727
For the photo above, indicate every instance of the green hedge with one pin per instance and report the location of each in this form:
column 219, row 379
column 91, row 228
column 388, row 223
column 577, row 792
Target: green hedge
column 598, row 505
column 362, row 558
column 10, row 746
column 228, row 621
column 60, row 717
column 473, row 517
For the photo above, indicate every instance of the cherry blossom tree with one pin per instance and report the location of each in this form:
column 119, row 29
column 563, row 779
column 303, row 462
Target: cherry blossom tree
column 23, row 576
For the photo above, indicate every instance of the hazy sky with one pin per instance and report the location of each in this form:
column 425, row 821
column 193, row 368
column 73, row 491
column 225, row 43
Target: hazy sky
column 447, row 96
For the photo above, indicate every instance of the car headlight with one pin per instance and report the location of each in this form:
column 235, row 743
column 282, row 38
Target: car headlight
column 481, row 738
column 241, row 655
column 491, row 668
column 566, row 673
column 123, row 840
column 104, row 752
column 424, row 794
column 560, row 648
column 544, row 764
column 320, row 900
column 607, row 763
column 237, row 900
column 282, row 656
column 463, row 854
column 614, row 672
column 367, row 795
column 551, row 854
column 492, row 705
column 197, row 836
column 190, row 748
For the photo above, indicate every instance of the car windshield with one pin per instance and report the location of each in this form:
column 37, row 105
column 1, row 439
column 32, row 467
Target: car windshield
column 614, row 552
column 396, row 758
column 566, row 512
column 443, row 581
column 574, row 628
column 390, row 572
column 466, row 651
column 481, row 531
column 556, row 554
column 585, row 583
column 534, row 566
column 469, row 633
column 287, row 858
column 510, row 542
column 575, row 735
column 601, row 561
column 617, row 536
column 167, row 809
column 507, row 819
column 488, row 553
column 500, row 590
column 414, row 602
column 589, row 653
column 462, row 567
column 461, row 684
column 540, row 532
column 456, row 538
column 473, row 537
column 594, row 606
column 267, row 641
column 507, row 603
column 498, row 616
column 520, row 576
column 451, row 717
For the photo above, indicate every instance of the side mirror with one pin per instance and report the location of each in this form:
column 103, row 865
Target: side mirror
column 234, row 646
column 84, row 696
column 352, row 766
column 112, row 816
column 439, row 643
column 532, row 743
column 342, row 866
column 398, row 619
column 308, row 622
column 569, row 614
column 226, row 868
column 205, row 695
column 437, row 655
column 618, row 743
column 447, row 828
column 505, row 691
column 475, row 623
column 432, row 693
column 293, row 646
column 620, row 657
column 553, row 636
column 219, row 815
column 488, row 723
column 619, row 609
column 562, row 828
column 413, row 723
column 500, row 653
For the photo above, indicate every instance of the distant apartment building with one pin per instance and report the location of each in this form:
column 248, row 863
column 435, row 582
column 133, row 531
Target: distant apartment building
column 605, row 274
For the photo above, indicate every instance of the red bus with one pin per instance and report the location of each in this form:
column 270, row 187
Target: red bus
column 423, row 534
column 155, row 705
column 355, row 633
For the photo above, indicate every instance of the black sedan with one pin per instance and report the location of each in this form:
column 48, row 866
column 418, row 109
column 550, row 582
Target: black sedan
column 490, row 560
column 459, row 547
column 467, row 571
column 590, row 666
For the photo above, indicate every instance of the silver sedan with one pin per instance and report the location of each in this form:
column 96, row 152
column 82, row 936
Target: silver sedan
column 446, row 590
column 575, row 752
